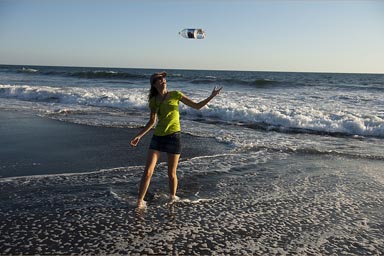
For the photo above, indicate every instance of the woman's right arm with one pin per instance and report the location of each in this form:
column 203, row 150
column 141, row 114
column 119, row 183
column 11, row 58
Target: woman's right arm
column 147, row 128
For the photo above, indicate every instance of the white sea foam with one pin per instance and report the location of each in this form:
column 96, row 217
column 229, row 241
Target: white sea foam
column 262, row 111
column 96, row 96
column 29, row 70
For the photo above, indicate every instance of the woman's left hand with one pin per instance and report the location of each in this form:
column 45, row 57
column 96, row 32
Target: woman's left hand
column 135, row 141
column 216, row 91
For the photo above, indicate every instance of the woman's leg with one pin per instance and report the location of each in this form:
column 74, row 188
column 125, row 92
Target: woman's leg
column 152, row 158
column 173, row 160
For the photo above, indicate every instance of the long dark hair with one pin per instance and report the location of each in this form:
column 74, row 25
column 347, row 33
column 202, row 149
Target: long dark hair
column 152, row 92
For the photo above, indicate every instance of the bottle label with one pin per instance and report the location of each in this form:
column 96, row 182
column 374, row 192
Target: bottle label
column 191, row 33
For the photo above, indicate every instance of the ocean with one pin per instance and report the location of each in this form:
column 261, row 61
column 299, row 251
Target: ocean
column 283, row 163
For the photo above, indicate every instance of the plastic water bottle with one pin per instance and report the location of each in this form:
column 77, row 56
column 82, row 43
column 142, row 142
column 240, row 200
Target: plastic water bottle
column 192, row 33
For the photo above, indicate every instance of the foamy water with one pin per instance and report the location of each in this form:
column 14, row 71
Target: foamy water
column 336, row 114
column 260, row 203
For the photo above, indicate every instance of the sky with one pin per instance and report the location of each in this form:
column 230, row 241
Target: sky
column 271, row 35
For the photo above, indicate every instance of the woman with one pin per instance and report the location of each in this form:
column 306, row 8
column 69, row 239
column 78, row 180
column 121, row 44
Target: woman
column 166, row 137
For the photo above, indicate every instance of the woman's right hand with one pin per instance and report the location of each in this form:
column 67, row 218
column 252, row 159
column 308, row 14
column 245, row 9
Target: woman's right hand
column 135, row 141
column 216, row 91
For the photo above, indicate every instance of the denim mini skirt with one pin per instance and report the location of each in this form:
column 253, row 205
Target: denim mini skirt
column 169, row 143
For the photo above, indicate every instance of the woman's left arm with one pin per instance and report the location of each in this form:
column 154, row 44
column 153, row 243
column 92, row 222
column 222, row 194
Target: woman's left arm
column 199, row 105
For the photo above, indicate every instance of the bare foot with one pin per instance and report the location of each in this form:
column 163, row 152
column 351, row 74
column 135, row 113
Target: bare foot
column 173, row 198
column 141, row 204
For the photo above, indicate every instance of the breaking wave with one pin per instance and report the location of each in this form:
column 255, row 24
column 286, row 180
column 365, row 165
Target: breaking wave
column 258, row 116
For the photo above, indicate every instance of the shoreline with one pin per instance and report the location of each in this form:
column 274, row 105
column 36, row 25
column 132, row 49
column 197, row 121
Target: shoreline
column 36, row 145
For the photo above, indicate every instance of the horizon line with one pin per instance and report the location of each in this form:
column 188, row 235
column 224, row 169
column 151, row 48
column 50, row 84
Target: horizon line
column 195, row 69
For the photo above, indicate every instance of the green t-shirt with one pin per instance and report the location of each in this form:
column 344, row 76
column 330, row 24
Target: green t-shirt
column 167, row 114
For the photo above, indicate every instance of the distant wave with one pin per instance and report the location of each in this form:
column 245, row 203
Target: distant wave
column 88, row 74
column 233, row 81
column 105, row 74
column 203, row 81
column 111, row 74
column 264, row 80
column 28, row 70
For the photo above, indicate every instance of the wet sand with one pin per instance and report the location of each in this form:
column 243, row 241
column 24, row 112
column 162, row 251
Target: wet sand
column 33, row 145
column 260, row 202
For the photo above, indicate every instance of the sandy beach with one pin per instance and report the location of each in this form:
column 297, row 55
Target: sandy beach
column 33, row 145
column 279, row 164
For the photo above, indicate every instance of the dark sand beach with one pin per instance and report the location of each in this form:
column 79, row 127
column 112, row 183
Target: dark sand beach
column 33, row 145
